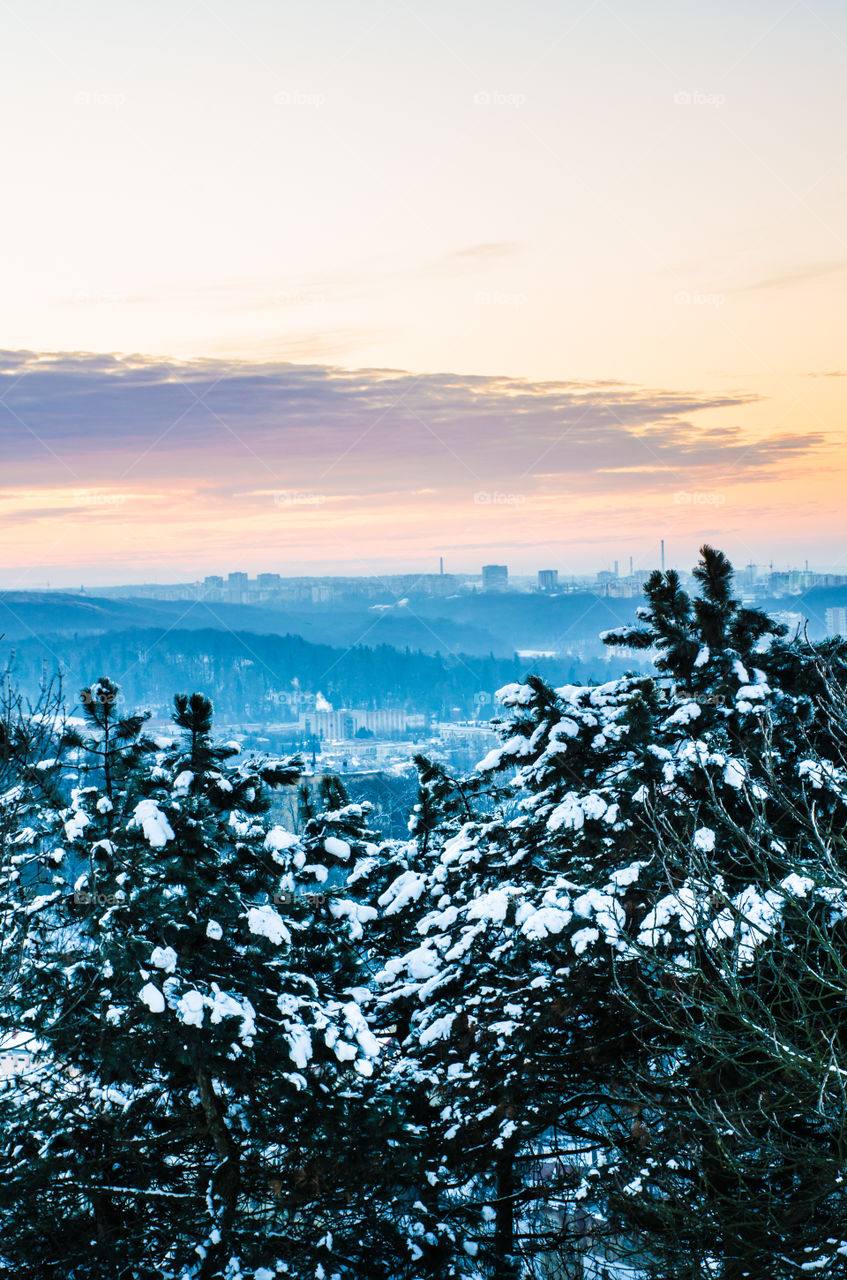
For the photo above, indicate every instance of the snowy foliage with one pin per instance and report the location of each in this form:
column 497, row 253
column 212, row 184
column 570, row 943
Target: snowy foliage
column 590, row 1014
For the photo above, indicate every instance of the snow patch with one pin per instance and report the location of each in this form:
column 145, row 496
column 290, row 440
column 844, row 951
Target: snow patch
column 545, row 921
column 491, row 906
column 627, row 875
column 438, row 1030
column 75, row 825
column 407, row 888
column 338, row 848
column 735, row 775
column 278, row 839
column 583, row 938
column 164, row 958
column 268, row 923
column 157, row 830
column 153, row 998
column 683, row 715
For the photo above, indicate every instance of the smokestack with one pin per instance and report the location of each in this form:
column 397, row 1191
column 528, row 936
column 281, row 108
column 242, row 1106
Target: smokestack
column 663, row 555
column 630, row 566
column 441, row 569
column 616, row 568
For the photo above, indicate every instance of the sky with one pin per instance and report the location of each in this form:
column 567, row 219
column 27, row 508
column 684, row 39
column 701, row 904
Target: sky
column 321, row 287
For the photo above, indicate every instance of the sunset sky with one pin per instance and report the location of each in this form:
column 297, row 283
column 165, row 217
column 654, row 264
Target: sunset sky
column 337, row 287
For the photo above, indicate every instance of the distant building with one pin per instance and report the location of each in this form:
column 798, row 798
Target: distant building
column 836, row 622
column 548, row 579
column 343, row 724
column 426, row 584
column 495, row 577
column 268, row 580
column 236, row 587
column 470, row 733
column 213, row 580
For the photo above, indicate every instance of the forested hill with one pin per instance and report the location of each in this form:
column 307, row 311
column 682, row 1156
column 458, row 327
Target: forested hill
column 251, row 677
column 476, row 624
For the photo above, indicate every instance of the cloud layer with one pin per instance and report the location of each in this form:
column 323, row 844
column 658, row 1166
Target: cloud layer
column 222, row 453
column 114, row 417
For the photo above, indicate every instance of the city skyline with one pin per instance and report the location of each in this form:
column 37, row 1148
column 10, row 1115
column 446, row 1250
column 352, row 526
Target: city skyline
column 490, row 577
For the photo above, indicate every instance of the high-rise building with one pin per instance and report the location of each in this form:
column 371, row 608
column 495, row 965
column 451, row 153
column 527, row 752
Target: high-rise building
column 548, row 579
column 237, row 586
column 836, row 622
column 495, row 577
column 344, row 723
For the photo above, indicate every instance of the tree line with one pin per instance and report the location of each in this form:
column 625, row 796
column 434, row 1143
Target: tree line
column 265, row 678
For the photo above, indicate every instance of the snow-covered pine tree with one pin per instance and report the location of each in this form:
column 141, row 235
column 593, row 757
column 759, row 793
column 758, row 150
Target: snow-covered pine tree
column 739, row 981
column 414, row 1189
column 46, row 806
column 189, row 1049
column 30, row 766
column 740, row 1167
column 111, row 743
column 365, row 1172
column 522, row 1035
column 507, row 1036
